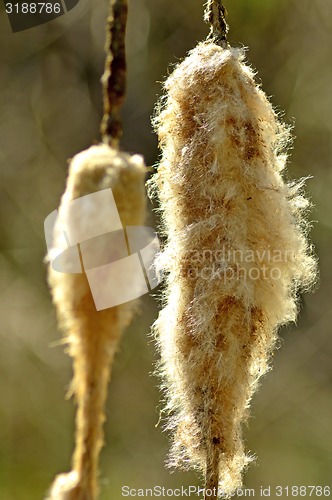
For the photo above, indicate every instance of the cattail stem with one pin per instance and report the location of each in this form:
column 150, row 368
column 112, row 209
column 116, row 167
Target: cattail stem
column 212, row 475
column 93, row 333
column 114, row 78
column 215, row 15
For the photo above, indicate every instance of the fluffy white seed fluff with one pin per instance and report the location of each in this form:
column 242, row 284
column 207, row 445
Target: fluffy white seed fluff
column 93, row 335
column 236, row 254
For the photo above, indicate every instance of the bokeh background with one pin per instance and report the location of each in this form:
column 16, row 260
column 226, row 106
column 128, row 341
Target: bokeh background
column 50, row 108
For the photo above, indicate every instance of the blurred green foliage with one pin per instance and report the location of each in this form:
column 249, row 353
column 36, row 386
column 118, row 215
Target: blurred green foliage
column 50, row 108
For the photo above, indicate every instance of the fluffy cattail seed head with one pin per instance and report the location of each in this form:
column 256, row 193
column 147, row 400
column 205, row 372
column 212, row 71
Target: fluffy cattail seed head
column 235, row 258
column 93, row 335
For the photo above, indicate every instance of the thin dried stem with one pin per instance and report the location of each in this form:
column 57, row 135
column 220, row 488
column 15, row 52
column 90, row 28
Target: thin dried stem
column 114, row 78
column 212, row 475
column 215, row 15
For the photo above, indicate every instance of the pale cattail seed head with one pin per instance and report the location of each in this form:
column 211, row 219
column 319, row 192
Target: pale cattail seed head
column 66, row 487
column 236, row 254
column 93, row 336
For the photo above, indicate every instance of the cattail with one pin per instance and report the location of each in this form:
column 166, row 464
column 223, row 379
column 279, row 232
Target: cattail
column 235, row 258
column 93, row 335
column 93, row 329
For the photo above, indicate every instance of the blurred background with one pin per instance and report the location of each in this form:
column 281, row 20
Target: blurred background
column 50, row 108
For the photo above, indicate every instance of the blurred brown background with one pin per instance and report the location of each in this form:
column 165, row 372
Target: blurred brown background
column 50, row 107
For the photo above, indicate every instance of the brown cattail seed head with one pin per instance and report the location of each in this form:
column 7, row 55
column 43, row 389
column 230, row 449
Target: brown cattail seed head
column 236, row 254
column 92, row 335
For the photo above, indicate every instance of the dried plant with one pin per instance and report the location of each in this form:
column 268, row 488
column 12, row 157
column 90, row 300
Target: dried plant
column 236, row 254
column 93, row 336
